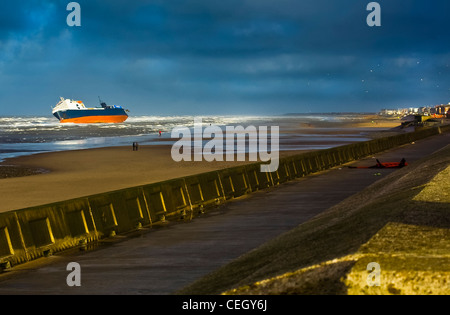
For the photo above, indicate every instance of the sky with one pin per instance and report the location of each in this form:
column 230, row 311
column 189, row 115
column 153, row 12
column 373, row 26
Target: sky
column 233, row 57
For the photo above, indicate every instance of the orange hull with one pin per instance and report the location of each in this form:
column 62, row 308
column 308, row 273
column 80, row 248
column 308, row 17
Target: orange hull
column 96, row 119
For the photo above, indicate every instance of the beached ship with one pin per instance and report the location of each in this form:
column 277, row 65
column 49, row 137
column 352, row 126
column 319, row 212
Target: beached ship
column 68, row 110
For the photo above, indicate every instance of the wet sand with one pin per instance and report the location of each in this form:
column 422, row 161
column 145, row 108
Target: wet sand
column 72, row 174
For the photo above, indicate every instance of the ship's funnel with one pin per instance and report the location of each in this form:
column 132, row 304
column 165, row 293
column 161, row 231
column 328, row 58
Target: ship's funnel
column 103, row 104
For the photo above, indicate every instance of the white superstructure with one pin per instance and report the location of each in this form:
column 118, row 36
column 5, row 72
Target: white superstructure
column 65, row 104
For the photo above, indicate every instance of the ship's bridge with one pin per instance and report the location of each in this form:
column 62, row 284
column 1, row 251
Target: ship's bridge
column 65, row 104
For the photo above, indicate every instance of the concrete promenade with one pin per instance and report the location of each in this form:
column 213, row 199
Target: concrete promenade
column 163, row 260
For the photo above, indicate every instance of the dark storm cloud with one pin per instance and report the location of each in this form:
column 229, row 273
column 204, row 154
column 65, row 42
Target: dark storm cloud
column 247, row 56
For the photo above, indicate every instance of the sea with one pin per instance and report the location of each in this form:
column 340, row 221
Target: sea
column 25, row 135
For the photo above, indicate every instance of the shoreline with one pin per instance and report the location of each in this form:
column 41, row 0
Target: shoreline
column 48, row 177
column 294, row 137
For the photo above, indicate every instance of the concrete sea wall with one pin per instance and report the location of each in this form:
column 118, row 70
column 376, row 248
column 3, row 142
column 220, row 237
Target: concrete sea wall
column 31, row 233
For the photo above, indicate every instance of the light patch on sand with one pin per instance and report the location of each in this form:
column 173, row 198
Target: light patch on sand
column 437, row 190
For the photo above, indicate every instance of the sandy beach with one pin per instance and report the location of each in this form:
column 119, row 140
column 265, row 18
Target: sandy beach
column 65, row 175
column 72, row 174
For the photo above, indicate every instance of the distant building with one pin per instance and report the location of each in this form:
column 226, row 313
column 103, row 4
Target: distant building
column 442, row 109
column 388, row 112
column 437, row 111
column 424, row 110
